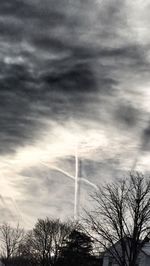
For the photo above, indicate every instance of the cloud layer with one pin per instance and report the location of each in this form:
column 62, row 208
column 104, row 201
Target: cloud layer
column 72, row 73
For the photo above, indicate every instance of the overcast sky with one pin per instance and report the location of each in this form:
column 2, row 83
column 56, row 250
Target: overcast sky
column 74, row 75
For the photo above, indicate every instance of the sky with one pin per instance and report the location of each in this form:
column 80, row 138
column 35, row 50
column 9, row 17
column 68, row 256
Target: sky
column 74, row 78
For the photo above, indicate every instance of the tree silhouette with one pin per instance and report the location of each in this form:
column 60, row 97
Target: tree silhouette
column 76, row 250
column 44, row 242
column 11, row 238
column 122, row 214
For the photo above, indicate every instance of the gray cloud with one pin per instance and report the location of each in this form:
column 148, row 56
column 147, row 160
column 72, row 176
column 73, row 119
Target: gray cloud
column 63, row 77
column 69, row 90
column 46, row 188
column 129, row 116
column 146, row 138
column 64, row 61
column 7, row 210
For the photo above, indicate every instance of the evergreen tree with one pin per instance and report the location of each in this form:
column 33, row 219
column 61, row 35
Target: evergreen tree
column 76, row 250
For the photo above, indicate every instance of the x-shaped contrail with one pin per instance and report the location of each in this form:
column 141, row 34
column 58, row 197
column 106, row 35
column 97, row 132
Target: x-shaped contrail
column 76, row 178
column 70, row 176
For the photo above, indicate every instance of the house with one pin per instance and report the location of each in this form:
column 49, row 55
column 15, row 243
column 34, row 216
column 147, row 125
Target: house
column 142, row 260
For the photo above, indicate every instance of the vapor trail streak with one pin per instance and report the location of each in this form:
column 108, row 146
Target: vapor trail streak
column 71, row 176
column 16, row 208
column 76, row 178
column 88, row 182
column 59, row 170
column 76, row 185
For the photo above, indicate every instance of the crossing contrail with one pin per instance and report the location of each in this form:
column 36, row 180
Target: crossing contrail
column 71, row 176
column 77, row 179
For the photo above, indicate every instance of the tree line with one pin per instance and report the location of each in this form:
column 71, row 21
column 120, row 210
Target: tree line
column 121, row 213
column 50, row 242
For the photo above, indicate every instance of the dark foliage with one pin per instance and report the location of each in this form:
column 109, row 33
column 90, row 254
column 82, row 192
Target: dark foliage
column 76, row 250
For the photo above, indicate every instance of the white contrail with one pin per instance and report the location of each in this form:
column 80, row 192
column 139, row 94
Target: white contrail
column 19, row 214
column 76, row 185
column 59, row 170
column 71, row 176
column 89, row 182
column 76, row 178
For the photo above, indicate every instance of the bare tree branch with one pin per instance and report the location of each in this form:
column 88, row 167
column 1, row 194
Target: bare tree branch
column 122, row 213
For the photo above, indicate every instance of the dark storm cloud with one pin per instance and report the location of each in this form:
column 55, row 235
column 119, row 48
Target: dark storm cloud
column 24, row 100
column 60, row 76
column 17, row 118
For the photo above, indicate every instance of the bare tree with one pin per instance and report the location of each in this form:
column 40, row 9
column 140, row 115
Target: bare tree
column 122, row 214
column 10, row 238
column 44, row 242
column 27, row 250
